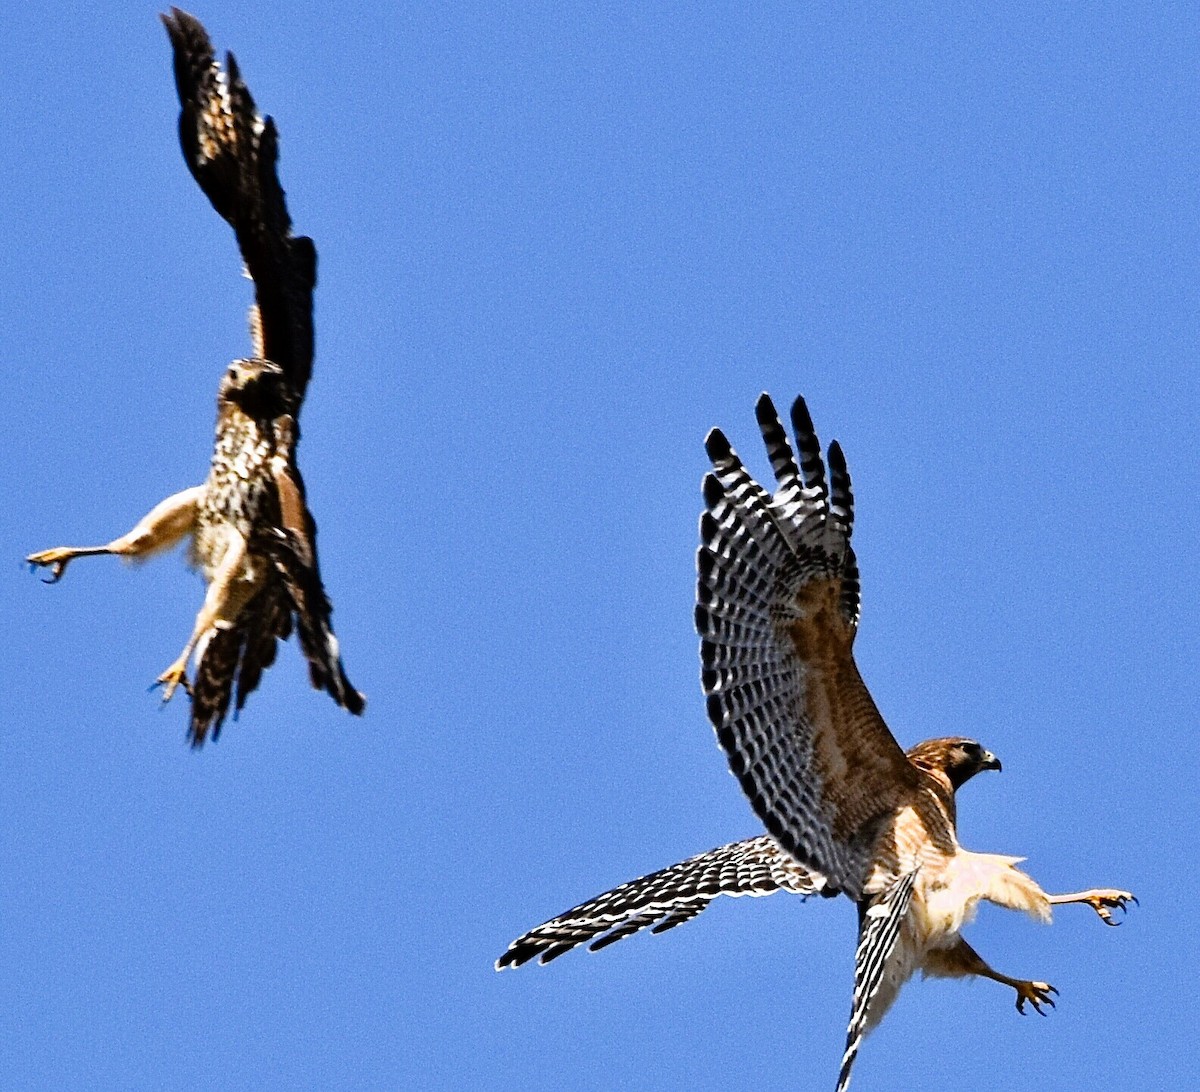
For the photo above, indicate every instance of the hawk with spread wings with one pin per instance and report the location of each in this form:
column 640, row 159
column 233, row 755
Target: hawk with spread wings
column 252, row 535
column 848, row 812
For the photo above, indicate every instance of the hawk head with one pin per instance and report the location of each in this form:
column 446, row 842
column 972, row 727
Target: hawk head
column 956, row 758
column 257, row 387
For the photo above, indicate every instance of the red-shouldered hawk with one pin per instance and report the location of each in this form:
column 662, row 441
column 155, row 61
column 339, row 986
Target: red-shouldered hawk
column 252, row 535
column 847, row 810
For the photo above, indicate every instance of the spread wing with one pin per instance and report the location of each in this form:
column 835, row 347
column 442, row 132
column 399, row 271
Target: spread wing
column 238, row 655
column 231, row 152
column 292, row 547
column 878, row 931
column 664, row 899
column 777, row 610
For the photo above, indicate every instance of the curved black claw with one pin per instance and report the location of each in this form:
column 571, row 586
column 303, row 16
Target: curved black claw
column 169, row 685
column 1037, row 994
column 57, row 568
column 52, row 560
column 1105, row 902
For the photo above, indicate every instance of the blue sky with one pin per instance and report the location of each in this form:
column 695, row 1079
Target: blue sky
column 557, row 243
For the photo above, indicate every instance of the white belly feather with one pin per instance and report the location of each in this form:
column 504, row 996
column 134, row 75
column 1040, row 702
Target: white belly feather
column 943, row 904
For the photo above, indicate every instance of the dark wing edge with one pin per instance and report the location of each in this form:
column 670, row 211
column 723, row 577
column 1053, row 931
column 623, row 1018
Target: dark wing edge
column 232, row 153
column 665, row 899
column 877, row 936
column 312, row 609
column 758, row 554
column 292, row 548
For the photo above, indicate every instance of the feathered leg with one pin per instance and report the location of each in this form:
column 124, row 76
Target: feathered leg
column 962, row 960
column 226, row 595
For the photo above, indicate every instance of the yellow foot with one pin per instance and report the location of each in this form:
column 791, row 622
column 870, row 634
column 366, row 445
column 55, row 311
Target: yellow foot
column 1103, row 901
column 175, row 675
column 56, row 559
column 1036, row 993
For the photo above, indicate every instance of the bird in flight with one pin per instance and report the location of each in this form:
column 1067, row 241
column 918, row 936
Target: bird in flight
column 846, row 809
column 251, row 533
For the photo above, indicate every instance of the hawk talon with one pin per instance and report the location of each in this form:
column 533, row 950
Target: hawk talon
column 1104, row 902
column 175, row 675
column 1036, row 993
column 56, row 560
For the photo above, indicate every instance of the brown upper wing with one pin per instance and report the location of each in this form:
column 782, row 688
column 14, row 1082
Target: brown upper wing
column 231, row 152
column 777, row 609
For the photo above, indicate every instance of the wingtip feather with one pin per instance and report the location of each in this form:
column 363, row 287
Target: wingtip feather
column 802, row 420
column 837, row 458
column 764, row 409
column 717, row 445
column 713, row 490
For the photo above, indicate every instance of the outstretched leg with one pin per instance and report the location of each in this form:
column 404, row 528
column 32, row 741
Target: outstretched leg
column 1101, row 899
column 229, row 591
column 162, row 527
column 963, row 960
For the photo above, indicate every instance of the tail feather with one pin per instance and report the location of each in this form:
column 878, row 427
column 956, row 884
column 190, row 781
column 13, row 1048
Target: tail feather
column 236, row 656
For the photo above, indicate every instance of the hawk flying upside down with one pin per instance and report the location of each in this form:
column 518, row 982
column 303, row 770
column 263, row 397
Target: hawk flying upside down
column 847, row 810
column 252, row 535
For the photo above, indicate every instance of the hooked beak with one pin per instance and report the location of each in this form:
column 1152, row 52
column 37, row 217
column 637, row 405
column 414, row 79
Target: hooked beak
column 991, row 762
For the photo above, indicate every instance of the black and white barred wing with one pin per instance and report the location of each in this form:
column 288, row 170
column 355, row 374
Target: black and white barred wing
column 232, row 153
column 664, row 899
column 878, row 931
column 777, row 610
